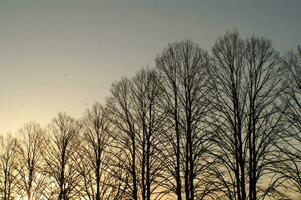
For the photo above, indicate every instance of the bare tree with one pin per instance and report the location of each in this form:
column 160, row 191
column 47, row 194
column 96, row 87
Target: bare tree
column 264, row 122
column 149, row 120
column 32, row 178
column 94, row 163
column 247, row 126
column 290, row 168
column 8, row 166
column 120, row 106
column 228, row 104
column 62, row 142
column 166, row 63
column 184, row 69
column 135, row 114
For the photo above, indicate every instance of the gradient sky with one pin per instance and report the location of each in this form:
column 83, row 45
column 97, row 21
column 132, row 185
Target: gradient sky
column 63, row 55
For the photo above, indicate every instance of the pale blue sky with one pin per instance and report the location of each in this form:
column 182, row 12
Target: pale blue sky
column 63, row 55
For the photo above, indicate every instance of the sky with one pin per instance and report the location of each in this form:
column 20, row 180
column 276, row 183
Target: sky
column 63, row 55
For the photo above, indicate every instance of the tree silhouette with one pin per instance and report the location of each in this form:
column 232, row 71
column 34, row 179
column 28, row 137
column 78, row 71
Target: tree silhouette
column 223, row 124
column 186, row 101
column 62, row 139
column 9, row 172
column 32, row 179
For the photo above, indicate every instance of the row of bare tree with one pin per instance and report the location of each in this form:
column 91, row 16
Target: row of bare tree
column 218, row 125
